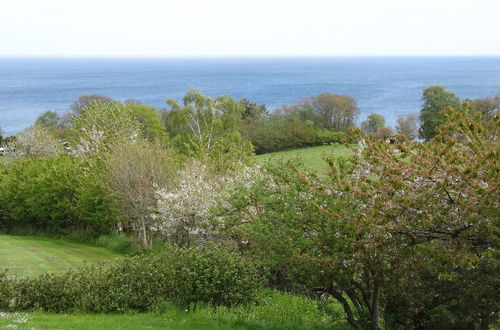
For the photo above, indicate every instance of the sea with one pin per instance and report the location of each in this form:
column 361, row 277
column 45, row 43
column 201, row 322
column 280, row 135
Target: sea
column 390, row 86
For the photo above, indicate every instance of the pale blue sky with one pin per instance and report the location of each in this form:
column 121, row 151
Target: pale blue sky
column 249, row 27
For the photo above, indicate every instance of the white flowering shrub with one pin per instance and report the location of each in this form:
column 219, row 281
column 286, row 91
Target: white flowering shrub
column 184, row 213
column 34, row 141
column 100, row 125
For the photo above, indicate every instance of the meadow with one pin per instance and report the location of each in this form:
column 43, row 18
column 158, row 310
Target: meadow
column 311, row 159
column 32, row 256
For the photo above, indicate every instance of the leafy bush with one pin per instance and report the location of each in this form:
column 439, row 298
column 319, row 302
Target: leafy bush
column 186, row 277
column 54, row 194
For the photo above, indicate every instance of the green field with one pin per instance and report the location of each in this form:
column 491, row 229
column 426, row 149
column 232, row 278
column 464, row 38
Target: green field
column 31, row 256
column 312, row 158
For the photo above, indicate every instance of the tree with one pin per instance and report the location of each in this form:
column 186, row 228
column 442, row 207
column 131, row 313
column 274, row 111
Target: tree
column 48, row 119
column 252, row 110
column 434, row 100
column 52, row 122
column 373, row 122
column 35, row 141
column 86, row 100
column 134, row 170
column 407, row 126
column 150, row 122
column 206, row 127
column 385, row 232
column 489, row 107
column 332, row 111
column 96, row 128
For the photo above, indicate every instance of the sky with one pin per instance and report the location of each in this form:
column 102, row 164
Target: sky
column 249, row 27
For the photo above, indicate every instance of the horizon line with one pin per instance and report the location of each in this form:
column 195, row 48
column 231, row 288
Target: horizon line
column 240, row 56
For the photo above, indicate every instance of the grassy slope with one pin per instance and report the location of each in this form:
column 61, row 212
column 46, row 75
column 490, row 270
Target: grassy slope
column 312, row 158
column 29, row 255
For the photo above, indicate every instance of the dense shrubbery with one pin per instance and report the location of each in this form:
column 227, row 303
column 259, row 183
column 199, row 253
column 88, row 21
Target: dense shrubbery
column 55, row 194
column 210, row 276
column 276, row 133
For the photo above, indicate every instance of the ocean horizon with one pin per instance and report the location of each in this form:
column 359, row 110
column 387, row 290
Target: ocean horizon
column 388, row 85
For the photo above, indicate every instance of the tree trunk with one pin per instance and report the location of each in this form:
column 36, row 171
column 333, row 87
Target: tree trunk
column 485, row 322
column 375, row 314
column 347, row 309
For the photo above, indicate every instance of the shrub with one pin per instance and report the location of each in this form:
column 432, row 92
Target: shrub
column 54, row 194
column 35, row 141
column 186, row 277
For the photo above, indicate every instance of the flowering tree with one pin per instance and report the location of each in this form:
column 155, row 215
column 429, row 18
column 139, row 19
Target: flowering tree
column 184, row 213
column 96, row 128
column 385, row 227
column 34, row 141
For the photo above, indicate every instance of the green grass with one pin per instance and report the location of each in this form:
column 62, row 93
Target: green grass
column 275, row 310
column 312, row 158
column 32, row 255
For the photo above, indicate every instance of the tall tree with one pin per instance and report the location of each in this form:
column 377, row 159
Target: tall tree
column 333, row 111
column 203, row 125
column 434, row 100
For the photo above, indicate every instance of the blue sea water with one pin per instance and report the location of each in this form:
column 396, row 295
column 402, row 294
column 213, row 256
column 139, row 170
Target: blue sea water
column 390, row 86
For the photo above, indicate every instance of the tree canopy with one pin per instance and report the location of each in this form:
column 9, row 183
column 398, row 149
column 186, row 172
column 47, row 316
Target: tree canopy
column 434, row 100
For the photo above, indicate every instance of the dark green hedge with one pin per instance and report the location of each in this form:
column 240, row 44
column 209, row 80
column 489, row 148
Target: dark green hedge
column 184, row 276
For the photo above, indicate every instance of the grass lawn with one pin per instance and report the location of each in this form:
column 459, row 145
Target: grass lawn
column 40, row 320
column 31, row 255
column 279, row 311
column 312, row 158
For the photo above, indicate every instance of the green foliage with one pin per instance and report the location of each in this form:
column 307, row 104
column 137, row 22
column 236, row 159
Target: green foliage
column 252, row 110
column 49, row 120
column 373, row 123
column 386, row 228
column 101, row 124
column 209, row 275
column 435, row 99
column 118, row 243
column 276, row 133
column 332, row 111
column 150, row 122
column 134, row 171
column 207, row 128
column 54, row 194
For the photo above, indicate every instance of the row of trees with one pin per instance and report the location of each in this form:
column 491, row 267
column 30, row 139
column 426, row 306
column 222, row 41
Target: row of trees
column 316, row 120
